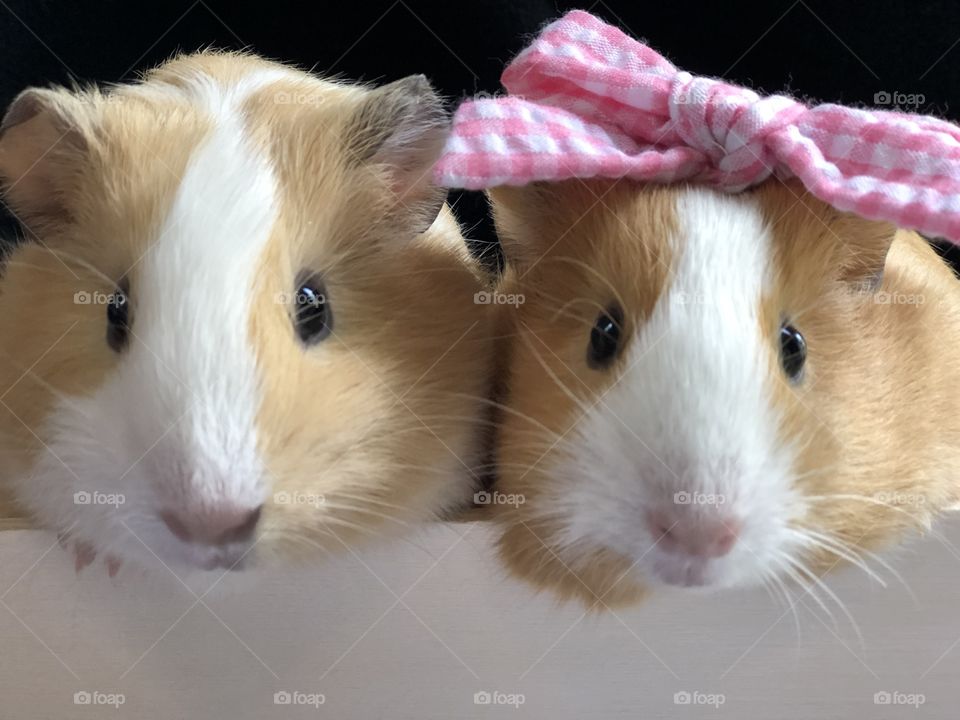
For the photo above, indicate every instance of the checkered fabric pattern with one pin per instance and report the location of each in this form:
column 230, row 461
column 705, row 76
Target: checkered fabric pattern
column 585, row 100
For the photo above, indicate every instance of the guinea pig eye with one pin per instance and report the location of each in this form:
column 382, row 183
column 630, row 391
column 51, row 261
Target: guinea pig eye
column 311, row 313
column 605, row 338
column 118, row 319
column 793, row 351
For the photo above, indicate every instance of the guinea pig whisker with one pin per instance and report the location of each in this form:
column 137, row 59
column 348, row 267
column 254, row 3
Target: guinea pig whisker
column 333, row 520
column 806, row 588
column 368, row 499
column 507, row 409
column 360, row 279
column 465, row 419
column 873, row 556
column 873, row 500
column 788, row 597
column 768, row 587
column 365, row 511
column 563, row 304
column 295, row 539
column 593, row 271
column 64, row 255
column 59, row 394
column 584, row 408
column 836, row 547
column 833, row 596
column 792, row 569
column 814, row 472
column 20, row 263
column 793, row 608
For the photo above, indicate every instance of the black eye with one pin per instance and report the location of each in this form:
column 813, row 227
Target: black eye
column 605, row 338
column 311, row 312
column 793, row 351
column 118, row 319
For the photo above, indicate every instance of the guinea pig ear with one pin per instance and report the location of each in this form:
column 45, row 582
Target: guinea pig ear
column 865, row 244
column 521, row 215
column 40, row 141
column 401, row 127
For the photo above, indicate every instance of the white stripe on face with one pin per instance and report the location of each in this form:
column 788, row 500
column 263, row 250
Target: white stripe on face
column 693, row 412
column 175, row 427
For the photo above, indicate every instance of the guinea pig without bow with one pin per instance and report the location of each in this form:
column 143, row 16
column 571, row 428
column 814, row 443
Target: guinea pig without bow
column 243, row 323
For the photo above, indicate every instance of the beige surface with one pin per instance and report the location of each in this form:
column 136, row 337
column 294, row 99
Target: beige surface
column 415, row 630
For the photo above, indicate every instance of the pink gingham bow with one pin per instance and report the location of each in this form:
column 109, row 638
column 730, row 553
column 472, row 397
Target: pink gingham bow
column 585, row 100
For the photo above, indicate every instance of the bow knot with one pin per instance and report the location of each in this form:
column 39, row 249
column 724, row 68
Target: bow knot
column 730, row 126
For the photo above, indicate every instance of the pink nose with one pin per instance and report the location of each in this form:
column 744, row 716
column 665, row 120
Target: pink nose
column 218, row 527
column 705, row 537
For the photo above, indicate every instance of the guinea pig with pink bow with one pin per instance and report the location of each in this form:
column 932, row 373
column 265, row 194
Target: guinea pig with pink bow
column 714, row 390
column 725, row 364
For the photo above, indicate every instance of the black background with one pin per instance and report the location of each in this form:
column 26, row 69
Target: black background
column 825, row 49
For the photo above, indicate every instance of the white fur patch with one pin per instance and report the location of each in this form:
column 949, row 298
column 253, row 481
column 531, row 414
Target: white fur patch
column 692, row 417
column 175, row 427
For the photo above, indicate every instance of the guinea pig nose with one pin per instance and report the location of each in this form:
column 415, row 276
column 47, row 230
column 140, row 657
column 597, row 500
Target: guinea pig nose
column 221, row 526
column 705, row 537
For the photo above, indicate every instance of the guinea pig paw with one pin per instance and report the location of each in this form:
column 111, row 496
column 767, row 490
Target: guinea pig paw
column 83, row 554
column 113, row 565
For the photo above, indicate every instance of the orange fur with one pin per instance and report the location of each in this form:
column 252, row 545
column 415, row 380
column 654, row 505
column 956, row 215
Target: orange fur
column 875, row 416
column 383, row 421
